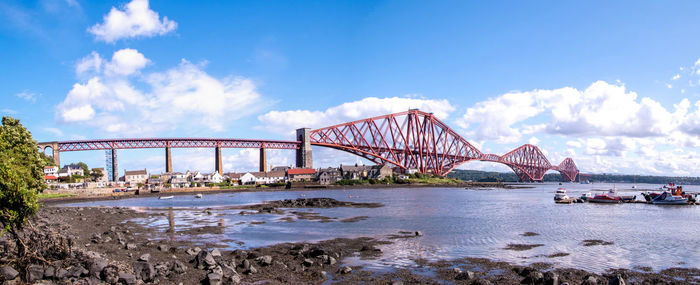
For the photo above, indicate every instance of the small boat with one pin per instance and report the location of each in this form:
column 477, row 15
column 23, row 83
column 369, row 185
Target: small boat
column 560, row 194
column 667, row 198
column 198, row 196
column 165, row 197
column 585, row 182
column 586, row 196
column 672, row 195
column 610, row 197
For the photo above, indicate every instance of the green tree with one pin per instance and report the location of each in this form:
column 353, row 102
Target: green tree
column 21, row 179
column 96, row 174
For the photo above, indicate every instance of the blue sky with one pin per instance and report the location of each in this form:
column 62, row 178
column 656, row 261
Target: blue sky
column 613, row 85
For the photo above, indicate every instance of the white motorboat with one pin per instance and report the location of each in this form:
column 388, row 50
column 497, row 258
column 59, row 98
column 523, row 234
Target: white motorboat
column 165, row 197
column 560, row 194
column 198, row 196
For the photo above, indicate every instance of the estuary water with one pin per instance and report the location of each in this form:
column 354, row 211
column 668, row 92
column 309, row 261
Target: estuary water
column 455, row 223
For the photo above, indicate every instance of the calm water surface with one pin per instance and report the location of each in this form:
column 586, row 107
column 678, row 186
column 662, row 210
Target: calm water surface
column 455, row 223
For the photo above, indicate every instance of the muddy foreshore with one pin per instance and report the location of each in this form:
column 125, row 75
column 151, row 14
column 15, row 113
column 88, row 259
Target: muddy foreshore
column 93, row 245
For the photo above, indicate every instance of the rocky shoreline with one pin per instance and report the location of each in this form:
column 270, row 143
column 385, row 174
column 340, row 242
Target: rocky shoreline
column 91, row 245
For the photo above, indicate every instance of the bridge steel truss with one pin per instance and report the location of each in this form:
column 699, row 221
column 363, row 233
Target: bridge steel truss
column 81, row 145
column 418, row 140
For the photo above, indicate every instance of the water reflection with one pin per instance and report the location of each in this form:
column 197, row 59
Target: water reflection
column 456, row 223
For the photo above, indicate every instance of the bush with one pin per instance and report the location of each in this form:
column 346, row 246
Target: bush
column 21, row 178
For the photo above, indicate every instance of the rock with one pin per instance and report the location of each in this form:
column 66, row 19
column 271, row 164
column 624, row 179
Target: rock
column 456, row 270
column 62, row 274
column 78, row 271
column 106, row 239
column 110, row 274
column 8, row 273
column 316, row 252
column 245, row 264
column 331, row 260
column 418, row 233
column 534, row 277
column 307, row 262
column 96, row 267
column 590, row 280
column 346, row 270
column 481, row 282
column 35, row 272
column 49, row 272
column 145, row 257
column 130, row 246
column 467, row 275
column 204, row 259
column 193, row 251
column 617, row 280
column 163, row 247
column 228, row 271
column 127, row 278
column 216, row 253
column 213, row 279
column 264, row 260
column 551, row 278
column 252, row 270
column 144, row 270
column 178, row 267
column 397, row 283
column 236, row 279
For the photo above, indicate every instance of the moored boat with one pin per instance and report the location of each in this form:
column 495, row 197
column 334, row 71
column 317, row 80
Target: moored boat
column 672, row 195
column 586, row 196
column 198, row 196
column 610, row 197
column 560, row 194
column 165, row 197
column 667, row 198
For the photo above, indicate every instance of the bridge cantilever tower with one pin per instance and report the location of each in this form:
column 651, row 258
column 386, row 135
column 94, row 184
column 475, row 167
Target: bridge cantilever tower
column 418, row 140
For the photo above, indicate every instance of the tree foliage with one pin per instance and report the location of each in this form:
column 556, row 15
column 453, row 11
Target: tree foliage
column 96, row 174
column 21, row 175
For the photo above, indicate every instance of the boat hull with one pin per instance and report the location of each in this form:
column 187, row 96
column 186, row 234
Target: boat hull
column 604, row 201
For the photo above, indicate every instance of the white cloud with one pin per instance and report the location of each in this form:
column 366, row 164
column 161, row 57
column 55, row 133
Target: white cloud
column 602, row 109
column 135, row 19
column 8, row 111
column 27, row 96
column 126, row 62
column 89, row 63
column 183, row 97
column 676, row 77
column 285, row 122
column 534, row 141
column 574, row 144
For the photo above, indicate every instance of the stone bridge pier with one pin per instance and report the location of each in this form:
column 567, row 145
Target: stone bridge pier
column 54, row 148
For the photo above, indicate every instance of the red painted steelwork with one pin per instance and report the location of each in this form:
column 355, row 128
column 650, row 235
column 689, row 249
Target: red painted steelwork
column 417, row 140
column 174, row 143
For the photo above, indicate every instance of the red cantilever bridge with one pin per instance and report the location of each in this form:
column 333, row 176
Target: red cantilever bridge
column 409, row 140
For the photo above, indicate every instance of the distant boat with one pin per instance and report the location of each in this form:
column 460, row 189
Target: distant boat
column 198, row 196
column 165, row 197
column 585, row 182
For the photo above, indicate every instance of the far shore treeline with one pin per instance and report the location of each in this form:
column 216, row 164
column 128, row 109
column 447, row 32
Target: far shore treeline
column 486, row 176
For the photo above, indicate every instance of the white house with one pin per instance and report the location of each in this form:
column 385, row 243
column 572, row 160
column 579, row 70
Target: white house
column 247, row 178
column 213, row 177
column 269, row 177
column 50, row 170
column 197, row 177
